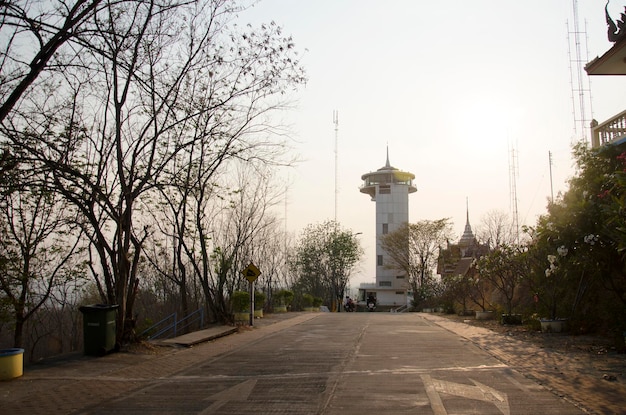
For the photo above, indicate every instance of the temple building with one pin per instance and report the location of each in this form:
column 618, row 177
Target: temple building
column 456, row 259
column 613, row 130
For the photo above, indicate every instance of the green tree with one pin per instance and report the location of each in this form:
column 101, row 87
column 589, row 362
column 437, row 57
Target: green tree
column 587, row 224
column 324, row 259
column 505, row 268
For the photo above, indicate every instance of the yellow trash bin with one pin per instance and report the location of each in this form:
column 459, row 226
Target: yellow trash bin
column 11, row 363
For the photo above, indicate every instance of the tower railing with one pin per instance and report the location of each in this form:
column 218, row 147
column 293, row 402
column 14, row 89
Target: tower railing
column 609, row 131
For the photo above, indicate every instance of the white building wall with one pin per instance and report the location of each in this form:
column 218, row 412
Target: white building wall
column 391, row 209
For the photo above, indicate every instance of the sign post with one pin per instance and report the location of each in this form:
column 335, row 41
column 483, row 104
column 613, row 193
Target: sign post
column 251, row 273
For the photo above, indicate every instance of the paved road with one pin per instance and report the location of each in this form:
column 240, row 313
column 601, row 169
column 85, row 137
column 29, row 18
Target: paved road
column 323, row 363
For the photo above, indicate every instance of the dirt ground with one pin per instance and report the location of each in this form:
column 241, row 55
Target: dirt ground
column 584, row 345
column 587, row 370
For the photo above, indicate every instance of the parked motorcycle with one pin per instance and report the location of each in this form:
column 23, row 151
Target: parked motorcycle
column 371, row 303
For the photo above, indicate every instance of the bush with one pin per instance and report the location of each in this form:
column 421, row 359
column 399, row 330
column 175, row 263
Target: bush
column 240, row 301
column 317, row 302
column 283, row 297
column 307, row 300
column 259, row 300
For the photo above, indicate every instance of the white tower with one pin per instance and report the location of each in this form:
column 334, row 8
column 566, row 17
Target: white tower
column 389, row 187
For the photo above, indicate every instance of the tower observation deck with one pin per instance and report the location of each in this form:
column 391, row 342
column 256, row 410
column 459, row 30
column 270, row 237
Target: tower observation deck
column 380, row 181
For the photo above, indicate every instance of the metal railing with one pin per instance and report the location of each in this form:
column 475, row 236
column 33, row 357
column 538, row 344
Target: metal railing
column 610, row 131
column 171, row 326
column 402, row 309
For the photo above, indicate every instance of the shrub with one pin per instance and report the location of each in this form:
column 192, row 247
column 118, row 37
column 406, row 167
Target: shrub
column 240, row 301
column 259, row 300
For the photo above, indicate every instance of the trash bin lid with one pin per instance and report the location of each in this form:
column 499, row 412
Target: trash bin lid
column 11, row 352
column 97, row 307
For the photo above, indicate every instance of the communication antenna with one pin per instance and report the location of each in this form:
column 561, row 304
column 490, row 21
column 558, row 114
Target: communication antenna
column 580, row 83
column 513, row 174
column 551, row 188
column 336, row 122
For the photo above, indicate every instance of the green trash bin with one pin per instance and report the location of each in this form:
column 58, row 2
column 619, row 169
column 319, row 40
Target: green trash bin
column 99, row 328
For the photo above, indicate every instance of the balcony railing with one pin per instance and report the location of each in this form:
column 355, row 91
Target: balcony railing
column 610, row 131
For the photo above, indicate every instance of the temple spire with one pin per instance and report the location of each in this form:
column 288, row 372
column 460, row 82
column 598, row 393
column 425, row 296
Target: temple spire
column 468, row 236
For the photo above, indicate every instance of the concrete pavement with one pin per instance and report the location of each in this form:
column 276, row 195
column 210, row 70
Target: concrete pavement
column 340, row 363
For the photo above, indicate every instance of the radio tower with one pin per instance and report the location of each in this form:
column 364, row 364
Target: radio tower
column 580, row 83
column 513, row 174
column 336, row 122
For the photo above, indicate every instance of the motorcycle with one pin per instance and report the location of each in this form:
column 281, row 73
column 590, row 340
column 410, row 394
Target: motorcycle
column 371, row 306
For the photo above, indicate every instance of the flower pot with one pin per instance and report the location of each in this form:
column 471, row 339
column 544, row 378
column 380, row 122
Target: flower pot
column 311, row 309
column 553, row 326
column 427, row 310
column 11, row 363
column 258, row 313
column 484, row 315
column 242, row 316
column 280, row 309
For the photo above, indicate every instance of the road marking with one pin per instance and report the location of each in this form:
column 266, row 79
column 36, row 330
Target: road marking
column 480, row 392
column 239, row 392
column 435, row 400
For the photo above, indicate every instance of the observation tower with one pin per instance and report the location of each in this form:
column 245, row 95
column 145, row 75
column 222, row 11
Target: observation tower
column 389, row 187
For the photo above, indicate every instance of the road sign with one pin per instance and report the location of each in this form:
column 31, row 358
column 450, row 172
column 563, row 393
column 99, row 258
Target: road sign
column 251, row 272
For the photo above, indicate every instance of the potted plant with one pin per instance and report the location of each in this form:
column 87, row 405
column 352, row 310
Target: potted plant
column 240, row 301
column 307, row 302
column 503, row 268
column 317, row 303
column 282, row 300
column 259, row 304
column 551, row 292
column 478, row 293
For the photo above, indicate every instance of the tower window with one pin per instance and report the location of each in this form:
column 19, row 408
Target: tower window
column 384, row 283
column 385, row 228
column 384, row 190
column 379, row 260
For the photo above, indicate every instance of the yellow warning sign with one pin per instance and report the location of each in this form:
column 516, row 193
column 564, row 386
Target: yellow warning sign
column 251, row 272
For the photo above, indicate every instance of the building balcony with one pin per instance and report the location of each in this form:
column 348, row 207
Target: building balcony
column 612, row 131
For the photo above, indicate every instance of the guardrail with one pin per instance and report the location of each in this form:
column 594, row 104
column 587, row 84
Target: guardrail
column 171, row 326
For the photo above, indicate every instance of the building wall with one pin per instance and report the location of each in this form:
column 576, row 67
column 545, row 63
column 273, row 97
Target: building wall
column 392, row 210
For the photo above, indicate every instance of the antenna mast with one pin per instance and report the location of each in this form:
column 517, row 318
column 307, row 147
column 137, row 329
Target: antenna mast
column 513, row 173
column 580, row 83
column 336, row 122
column 551, row 188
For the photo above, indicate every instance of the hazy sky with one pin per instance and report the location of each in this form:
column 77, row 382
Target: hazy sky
column 452, row 88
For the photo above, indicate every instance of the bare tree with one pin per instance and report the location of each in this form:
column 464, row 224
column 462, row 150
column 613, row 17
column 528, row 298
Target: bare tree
column 413, row 249
column 37, row 251
column 160, row 81
column 270, row 247
column 34, row 33
column 246, row 216
column 497, row 229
